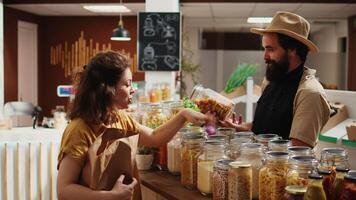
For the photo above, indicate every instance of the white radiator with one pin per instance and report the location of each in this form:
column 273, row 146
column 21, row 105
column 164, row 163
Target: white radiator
column 28, row 169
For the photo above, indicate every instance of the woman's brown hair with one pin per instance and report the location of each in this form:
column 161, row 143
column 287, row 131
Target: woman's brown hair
column 95, row 88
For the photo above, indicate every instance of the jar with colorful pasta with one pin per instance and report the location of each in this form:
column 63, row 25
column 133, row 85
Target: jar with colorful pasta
column 299, row 169
column 208, row 100
column 191, row 146
column 220, row 179
column 338, row 182
column 240, row 181
column 349, row 186
column 213, row 150
column 315, row 188
column 273, row 176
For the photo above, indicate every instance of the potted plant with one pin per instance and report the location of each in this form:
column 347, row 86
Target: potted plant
column 144, row 157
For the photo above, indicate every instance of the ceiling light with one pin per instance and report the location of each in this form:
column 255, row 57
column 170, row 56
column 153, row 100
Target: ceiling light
column 120, row 33
column 107, row 8
column 259, row 20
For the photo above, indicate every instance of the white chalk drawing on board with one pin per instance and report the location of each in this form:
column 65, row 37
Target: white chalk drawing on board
column 149, row 58
column 150, row 29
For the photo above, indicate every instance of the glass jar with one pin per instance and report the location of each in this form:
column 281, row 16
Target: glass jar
column 156, row 115
column 228, row 132
column 253, row 153
column 220, row 179
column 328, row 180
column 294, row 192
column 315, row 188
column 349, row 186
column 331, row 158
column 173, row 107
column 208, row 100
column 233, row 148
column 299, row 169
column 166, row 92
column 240, row 181
column 300, row 151
column 265, row 138
column 273, row 176
column 221, row 138
column 191, row 147
column 338, row 182
column 213, row 150
column 174, row 151
column 279, row 145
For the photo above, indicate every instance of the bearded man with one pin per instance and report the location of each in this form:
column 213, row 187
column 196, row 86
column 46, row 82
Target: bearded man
column 293, row 104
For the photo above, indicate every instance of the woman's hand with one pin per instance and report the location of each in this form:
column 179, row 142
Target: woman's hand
column 198, row 118
column 122, row 191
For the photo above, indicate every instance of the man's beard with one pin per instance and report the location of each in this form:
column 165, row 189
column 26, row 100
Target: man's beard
column 277, row 70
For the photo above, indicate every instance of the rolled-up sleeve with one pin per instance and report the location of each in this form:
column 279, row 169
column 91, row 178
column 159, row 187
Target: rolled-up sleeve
column 311, row 113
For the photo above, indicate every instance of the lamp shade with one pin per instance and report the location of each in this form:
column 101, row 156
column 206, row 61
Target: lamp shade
column 120, row 34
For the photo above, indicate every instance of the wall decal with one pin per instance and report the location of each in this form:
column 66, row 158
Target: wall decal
column 72, row 57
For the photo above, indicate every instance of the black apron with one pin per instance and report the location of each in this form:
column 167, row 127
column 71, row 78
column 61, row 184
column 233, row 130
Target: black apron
column 274, row 111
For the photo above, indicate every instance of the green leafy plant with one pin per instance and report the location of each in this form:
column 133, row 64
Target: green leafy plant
column 187, row 103
column 239, row 76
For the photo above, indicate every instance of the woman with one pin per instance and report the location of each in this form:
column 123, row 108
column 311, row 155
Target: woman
column 104, row 89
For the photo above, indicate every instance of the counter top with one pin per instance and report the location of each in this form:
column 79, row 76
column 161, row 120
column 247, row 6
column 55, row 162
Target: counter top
column 168, row 186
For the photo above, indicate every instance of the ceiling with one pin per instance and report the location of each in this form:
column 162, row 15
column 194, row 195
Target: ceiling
column 216, row 16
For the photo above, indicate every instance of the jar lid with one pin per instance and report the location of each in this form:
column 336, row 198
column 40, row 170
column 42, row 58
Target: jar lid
column 252, row 146
column 240, row 164
column 192, row 136
column 307, row 160
column 333, row 151
column 240, row 140
column 298, row 148
column 219, row 130
column 342, row 169
column 324, row 172
column 217, row 138
column 351, row 176
column 296, row 189
column 315, row 176
column 223, row 164
column 352, row 173
column 265, row 137
column 277, row 154
column 279, row 141
column 244, row 134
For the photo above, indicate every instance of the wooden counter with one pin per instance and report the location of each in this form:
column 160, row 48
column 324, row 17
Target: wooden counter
column 166, row 186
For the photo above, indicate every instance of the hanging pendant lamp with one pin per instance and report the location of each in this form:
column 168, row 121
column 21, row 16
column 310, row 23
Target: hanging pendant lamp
column 120, row 33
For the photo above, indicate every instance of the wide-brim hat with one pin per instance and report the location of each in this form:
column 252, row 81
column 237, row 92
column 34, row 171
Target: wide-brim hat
column 291, row 25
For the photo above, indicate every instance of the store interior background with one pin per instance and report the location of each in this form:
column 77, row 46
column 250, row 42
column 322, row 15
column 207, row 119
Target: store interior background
column 218, row 37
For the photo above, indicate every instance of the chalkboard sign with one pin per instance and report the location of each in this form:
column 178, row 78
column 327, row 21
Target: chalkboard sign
column 159, row 41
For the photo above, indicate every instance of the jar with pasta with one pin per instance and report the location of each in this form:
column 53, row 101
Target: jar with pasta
column 315, row 188
column 299, row 169
column 240, row 181
column 213, row 150
column 253, row 153
column 279, row 145
column 174, row 150
column 233, row 148
column 300, row 151
column 265, row 138
column 191, row 147
column 273, row 176
column 328, row 180
column 156, row 115
column 338, row 182
column 208, row 100
column 220, row 179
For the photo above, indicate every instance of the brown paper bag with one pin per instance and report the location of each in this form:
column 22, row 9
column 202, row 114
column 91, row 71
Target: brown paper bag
column 108, row 157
